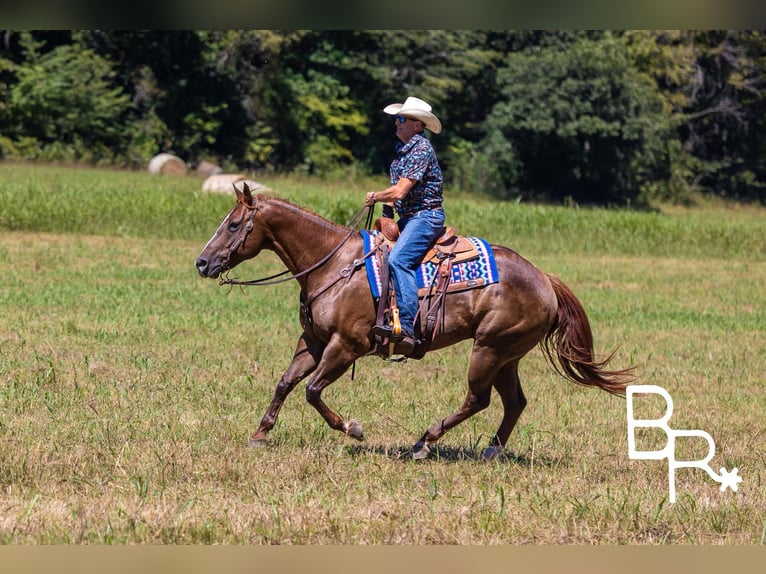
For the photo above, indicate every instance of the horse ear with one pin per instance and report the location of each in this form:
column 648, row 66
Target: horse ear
column 245, row 195
column 246, row 192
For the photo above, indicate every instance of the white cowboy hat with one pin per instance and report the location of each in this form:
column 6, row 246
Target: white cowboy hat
column 418, row 109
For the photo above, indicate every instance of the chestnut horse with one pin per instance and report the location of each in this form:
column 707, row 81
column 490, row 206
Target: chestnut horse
column 506, row 319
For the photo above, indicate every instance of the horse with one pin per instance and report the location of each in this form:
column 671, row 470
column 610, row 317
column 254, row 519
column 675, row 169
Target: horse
column 525, row 308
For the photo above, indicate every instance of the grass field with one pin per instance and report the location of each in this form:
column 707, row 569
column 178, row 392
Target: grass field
column 129, row 386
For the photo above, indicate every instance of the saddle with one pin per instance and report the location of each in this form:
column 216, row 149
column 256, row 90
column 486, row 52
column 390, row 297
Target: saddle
column 448, row 249
column 449, row 244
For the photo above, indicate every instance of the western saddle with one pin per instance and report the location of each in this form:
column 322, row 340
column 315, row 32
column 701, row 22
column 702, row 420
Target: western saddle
column 448, row 249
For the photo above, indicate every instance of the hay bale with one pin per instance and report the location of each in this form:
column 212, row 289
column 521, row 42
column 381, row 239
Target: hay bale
column 208, row 168
column 225, row 182
column 253, row 185
column 167, row 164
column 222, row 182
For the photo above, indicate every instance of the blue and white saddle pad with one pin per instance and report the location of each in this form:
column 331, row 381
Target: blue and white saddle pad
column 479, row 271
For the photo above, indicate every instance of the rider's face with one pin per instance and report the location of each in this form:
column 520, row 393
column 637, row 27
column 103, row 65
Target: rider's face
column 407, row 127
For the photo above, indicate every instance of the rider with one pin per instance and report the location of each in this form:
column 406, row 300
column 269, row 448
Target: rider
column 416, row 193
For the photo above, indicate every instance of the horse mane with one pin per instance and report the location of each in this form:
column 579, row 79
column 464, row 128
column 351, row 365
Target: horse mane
column 303, row 210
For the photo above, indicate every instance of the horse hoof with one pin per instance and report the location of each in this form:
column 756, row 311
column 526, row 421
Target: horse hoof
column 258, row 442
column 420, row 451
column 492, row 452
column 354, row 430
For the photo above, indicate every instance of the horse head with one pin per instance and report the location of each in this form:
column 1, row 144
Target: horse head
column 237, row 239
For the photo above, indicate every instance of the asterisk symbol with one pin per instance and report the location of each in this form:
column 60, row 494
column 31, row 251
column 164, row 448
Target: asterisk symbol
column 729, row 479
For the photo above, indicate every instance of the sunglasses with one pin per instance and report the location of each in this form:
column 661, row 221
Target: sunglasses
column 401, row 119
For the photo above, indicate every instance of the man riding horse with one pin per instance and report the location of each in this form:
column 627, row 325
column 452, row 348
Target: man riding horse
column 416, row 194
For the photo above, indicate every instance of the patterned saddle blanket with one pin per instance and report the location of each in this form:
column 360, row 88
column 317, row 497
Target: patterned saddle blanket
column 477, row 271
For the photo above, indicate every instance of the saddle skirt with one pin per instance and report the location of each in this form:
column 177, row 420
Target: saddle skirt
column 472, row 263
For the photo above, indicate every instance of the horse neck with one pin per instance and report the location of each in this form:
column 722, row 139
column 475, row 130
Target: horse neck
column 299, row 237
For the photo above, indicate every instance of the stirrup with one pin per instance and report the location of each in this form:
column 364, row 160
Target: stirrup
column 384, row 331
column 405, row 345
column 402, row 336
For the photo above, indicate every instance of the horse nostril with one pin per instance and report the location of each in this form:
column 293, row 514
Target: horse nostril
column 201, row 264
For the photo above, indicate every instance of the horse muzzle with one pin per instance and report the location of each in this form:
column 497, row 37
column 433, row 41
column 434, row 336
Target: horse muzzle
column 208, row 268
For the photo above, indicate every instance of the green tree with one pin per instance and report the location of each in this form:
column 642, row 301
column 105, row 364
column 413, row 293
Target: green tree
column 182, row 101
column 454, row 70
column 65, row 100
column 713, row 83
column 607, row 117
column 254, row 63
column 667, row 58
column 326, row 117
column 724, row 121
column 579, row 123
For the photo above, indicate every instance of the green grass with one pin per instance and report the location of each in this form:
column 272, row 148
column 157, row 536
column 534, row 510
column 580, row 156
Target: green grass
column 129, row 386
column 125, row 204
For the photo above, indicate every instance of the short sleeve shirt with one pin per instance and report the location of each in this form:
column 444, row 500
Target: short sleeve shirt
column 417, row 160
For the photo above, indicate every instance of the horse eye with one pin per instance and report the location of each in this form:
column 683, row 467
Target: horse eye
column 234, row 225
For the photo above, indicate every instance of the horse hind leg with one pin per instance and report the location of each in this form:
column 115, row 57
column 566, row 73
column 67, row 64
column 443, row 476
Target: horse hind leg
column 480, row 378
column 508, row 386
column 474, row 402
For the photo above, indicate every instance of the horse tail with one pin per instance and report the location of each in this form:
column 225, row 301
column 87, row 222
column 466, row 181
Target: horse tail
column 568, row 345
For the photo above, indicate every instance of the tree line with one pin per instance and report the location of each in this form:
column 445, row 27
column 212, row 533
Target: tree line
column 603, row 117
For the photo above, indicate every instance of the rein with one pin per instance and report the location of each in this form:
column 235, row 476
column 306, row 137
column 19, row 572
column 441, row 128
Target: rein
column 272, row 279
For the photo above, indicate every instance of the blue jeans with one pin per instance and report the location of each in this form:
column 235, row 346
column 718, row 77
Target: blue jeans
column 418, row 233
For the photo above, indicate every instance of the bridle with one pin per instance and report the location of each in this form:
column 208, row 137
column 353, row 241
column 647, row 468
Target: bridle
column 306, row 299
column 240, row 239
column 273, row 279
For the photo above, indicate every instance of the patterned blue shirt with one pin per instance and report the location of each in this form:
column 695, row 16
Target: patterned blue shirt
column 416, row 160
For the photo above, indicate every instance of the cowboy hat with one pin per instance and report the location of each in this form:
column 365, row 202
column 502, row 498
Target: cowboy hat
column 418, row 109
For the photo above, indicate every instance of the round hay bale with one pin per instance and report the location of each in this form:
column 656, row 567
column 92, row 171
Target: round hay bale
column 222, row 182
column 167, row 164
column 208, row 168
column 225, row 182
column 254, row 186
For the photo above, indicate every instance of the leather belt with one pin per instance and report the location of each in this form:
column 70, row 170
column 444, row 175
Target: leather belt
column 411, row 213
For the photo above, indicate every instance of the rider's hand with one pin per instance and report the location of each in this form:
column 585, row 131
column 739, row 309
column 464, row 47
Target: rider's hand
column 369, row 200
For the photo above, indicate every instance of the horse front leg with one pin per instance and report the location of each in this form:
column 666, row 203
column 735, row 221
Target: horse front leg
column 336, row 359
column 305, row 360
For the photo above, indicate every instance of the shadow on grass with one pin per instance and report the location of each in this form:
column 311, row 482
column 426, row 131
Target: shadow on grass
column 449, row 454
